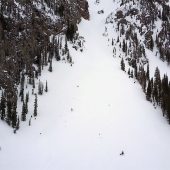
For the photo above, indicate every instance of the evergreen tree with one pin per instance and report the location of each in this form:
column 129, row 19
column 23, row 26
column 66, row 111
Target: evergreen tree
column 157, row 75
column 168, row 104
column 27, row 98
column 131, row 74
column 155, row 92
column 157, row 86
column 164, row 95
column 124, row 46
column 149, row 91
column 30, row 122
column 66, row 47
column 14, row 115
column 3, row 106
column 24, row 112
column 40, row 88
column 35, row 105
column 50, row 66
column 9, row 112
column 135, row 70
column 33, row 84
column 57, row 56
column 151, row 43
column 129, row 71
column 122, row 64
column 22, row 86
column 26, row 102
column 69, row 59
column 117, row 39
column 18, row 124
column 46, row 87
column 112, row 42
column 148, row 73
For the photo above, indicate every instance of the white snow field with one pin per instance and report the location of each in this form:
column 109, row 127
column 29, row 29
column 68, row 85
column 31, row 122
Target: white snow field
column 91, row 113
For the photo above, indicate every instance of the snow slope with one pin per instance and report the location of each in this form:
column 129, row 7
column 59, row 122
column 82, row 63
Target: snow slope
column 91, row 113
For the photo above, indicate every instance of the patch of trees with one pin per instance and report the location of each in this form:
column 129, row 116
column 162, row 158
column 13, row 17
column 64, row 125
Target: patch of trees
column 148, row 13
column 156, row 89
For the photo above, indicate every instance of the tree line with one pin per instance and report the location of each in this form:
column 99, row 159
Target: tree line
column 156, row 89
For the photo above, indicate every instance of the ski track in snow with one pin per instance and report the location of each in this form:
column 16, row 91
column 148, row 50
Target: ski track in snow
column 91, row 113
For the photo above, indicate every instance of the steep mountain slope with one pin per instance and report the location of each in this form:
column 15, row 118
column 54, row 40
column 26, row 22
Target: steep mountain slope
column 139, row 32
column 30, row 36
column 92, row 112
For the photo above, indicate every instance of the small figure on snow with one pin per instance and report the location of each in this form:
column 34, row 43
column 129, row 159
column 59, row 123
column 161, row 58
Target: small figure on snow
column 122, row 153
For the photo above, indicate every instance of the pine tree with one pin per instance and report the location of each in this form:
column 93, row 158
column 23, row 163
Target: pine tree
column 46, row 87
column 57, row 56
column 27, row 98
column 157, row 86
column 35, row 105
column 117, row 39
column 26, row 107
column 30, row 122
column 18, row 124
column 9, row 112
column 129, row 72
column 151, row 43
column 69, row 59
column 33, row 84
column 50, row 66
column 168, row 104
column 112, row 42
column 22, row 86
column 135, row 70
column 26, row 102
column 149, row 91
column 157, row 75
column 155, row 92
column 66, row 47
column 24, row 112
column 148, row 73
column 164, row 95
column 3, row 106
column 14, row 115
column 40, row 88
column 122, row 64
column 124, row 46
